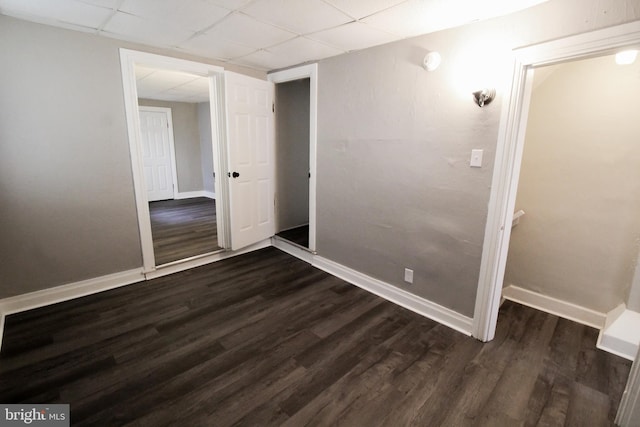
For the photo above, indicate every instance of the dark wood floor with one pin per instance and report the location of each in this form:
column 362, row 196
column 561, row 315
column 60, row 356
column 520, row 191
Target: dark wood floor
column 183, row 228
column 266, row 339
column 298, row 235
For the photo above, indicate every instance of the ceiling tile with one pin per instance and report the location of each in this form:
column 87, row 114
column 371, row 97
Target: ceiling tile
column 231, row 4
column 215, row 47
column 360, row 8
column 355, row 35
column 166, row 79
column 298, row 16
column 194, row 15
column 242, row 29
column 109, row 4
column 142, row 72
column 131, row 27
column 416, row 17
column 183, row 96
column 197, row 86
column 69, row 11
column 301, row 50
column 263, row 60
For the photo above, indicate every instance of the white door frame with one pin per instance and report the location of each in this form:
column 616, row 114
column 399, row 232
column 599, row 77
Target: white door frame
column 172, row 147
column 309, row 71
column 128, row 60
column 509, row 155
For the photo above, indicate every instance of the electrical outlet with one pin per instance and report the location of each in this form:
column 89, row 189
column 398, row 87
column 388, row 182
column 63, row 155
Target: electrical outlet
column 408, row 275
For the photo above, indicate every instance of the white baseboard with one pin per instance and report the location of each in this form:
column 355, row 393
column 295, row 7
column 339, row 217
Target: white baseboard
column 192, row 194
column 555, row 306
column 398, row 296
column 292, row 249
column 31, row 300
column 621, row 333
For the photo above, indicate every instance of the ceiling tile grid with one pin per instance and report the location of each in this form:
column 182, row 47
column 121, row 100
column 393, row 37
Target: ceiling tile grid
column 262, row 34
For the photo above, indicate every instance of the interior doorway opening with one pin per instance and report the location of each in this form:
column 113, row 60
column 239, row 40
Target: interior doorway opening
column 296, row 100
column 292, row 161
column 578, row 184
column 192, row 92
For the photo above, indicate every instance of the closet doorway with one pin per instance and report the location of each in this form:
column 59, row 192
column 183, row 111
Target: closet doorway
column 295, row 127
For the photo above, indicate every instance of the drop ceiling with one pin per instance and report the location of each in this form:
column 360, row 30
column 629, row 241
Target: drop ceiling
column 261, row 34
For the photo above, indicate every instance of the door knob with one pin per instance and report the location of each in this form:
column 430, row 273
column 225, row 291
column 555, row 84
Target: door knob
column 235, row 174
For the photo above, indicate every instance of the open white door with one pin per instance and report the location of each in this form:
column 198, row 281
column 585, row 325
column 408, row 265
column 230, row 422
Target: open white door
column 156, row 137
column 251, row 158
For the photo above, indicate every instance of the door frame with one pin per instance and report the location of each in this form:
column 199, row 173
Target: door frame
column 309, row 71
column 509, row 150
column 172, row 147
column 128, row 60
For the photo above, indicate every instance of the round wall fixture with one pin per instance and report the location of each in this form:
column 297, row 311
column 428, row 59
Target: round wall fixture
column 431, row 61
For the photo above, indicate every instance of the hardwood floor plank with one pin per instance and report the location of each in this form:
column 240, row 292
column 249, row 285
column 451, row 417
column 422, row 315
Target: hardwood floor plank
column 183, row 228
column 266, row 339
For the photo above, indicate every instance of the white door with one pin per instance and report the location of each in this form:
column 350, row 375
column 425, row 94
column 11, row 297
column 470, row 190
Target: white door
column 156, row 154
column 251, row 174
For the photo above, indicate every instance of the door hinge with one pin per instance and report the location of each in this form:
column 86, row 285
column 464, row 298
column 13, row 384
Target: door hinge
column 273, row 107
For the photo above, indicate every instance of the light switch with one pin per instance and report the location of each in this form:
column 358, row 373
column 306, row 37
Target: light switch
column 476, row 159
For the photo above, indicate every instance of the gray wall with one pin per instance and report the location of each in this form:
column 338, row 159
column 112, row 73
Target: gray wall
column 292, row 154
column 395, row 188
column 67, row 195
column 186, row 138
column 580, row 185
column 206, row 147
column 67, row 209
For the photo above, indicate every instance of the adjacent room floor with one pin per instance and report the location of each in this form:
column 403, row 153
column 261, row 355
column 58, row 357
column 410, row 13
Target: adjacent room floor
column 266, row 339
column 298, row 235
column 183, row 228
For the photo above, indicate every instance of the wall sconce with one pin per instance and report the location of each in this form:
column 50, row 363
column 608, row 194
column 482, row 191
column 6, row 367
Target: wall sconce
column 484, row 96
column 431, row 61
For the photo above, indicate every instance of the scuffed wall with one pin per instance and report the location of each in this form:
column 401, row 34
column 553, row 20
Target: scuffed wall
column 395, row 188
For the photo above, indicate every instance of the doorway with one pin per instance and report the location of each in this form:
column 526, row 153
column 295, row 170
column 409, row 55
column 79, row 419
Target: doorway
column 579, row 188
column 296, row 138
column 190, row 225
column 292, row 161
column 175, row 132
column 509, row 155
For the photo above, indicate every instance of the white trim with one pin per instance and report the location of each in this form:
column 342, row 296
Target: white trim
column 133, row 128
column 309, row 71
column 398, row 296
column 621, row 333
column 128, row 59
column 509, row 154
column 292, row 249
column 629, row 409
column 555, row 306
column 201, row 260
column 382, row 289
column 194, row 194
column 31, row 300
column 172, row 145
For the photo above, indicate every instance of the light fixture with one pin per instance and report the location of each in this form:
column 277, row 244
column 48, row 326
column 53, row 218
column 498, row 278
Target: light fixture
column 626, row 57
column 431, row 61
column 484, row 96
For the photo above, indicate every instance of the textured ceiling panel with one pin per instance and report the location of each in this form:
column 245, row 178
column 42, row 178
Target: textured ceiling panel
column 263, row 34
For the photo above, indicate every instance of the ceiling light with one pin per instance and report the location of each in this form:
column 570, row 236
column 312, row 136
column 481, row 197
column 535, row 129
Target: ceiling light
column 626, row 57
